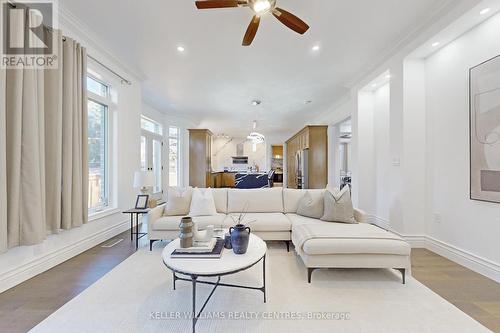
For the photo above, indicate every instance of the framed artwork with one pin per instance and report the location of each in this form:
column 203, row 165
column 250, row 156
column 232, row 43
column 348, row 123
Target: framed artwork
column 142, row 201
column 484, row 97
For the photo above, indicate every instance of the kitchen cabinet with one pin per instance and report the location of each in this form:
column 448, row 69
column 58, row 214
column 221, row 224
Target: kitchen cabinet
column 313, row 139
column 200, row 158
column 228, row 179
column 277, row 151
column 223, row 180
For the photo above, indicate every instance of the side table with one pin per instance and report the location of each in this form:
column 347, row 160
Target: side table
column 138, row 235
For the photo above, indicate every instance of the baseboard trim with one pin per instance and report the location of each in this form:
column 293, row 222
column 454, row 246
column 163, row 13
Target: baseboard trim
column 474, row 262
column 462, row 257
column 20, row 274
column 383, row 223
column 416, row 241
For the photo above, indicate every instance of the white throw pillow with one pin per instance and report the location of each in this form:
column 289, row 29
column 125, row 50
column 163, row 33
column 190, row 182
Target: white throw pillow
column 178, row 201
column 311, row 205
column 338, row 206
column 202, row 203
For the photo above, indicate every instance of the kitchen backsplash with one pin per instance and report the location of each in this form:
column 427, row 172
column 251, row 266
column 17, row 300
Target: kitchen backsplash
column 224, row 149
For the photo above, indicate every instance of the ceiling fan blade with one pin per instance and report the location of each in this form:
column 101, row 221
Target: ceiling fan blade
column 213, row 4
column 290, row 20
column 251, row 31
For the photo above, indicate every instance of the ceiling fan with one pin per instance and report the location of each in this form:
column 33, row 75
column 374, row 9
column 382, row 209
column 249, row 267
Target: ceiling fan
column 260, row 7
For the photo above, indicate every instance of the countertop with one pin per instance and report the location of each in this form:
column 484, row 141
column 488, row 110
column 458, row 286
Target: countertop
column 235, row 172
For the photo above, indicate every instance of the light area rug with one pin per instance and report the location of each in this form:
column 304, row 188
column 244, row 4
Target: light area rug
column 137, row 296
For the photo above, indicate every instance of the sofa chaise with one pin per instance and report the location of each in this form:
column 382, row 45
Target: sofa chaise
column 272, row 215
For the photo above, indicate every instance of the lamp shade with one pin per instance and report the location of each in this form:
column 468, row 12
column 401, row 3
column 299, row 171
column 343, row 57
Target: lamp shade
column 144, row 179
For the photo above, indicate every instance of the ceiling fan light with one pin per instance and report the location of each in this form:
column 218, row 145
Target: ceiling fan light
column 261, row 6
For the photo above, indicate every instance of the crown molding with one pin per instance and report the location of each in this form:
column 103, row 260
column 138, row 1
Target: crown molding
column 68, row 20
column 174, row 114
column 326, row 115
column 449, row 7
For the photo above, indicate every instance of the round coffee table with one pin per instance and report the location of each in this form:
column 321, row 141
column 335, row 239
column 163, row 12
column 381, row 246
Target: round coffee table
column 229, row 263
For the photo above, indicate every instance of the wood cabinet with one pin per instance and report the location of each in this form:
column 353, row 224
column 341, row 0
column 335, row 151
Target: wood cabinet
column 200, row 158
column 223, row 179
column 216, row 180
column 315, row 140
column 277, row 151
column 228, row 179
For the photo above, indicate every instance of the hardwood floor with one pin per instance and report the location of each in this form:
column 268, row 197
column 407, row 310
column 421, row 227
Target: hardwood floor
column 471, row 292
column 27, row 304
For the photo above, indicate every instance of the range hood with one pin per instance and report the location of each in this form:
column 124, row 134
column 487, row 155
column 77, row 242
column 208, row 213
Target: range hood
column 239, row 158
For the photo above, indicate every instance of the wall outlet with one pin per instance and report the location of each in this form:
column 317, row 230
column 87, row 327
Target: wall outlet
column 396, row 161
column 437, row 218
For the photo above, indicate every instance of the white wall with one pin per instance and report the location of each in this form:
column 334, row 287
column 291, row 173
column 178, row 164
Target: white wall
column 374, row 152
column 333, row 117
column 472, row 226
column 382, row 163
column 415, row 148
column 333, row 155
column 365, row 178
column 428, row 196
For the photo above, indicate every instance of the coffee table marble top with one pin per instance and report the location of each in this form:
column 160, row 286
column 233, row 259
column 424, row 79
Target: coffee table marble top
column 228, row 263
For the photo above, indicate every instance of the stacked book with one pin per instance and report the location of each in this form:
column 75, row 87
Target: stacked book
column 201, row 250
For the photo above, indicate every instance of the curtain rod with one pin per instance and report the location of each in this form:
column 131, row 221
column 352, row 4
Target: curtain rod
column 124, row 80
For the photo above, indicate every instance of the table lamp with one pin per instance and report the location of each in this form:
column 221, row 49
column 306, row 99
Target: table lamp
column 144, row 180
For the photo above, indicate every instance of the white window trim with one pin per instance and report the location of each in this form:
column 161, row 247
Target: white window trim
column 112, row 206
column 158, row 137
column 179, row 158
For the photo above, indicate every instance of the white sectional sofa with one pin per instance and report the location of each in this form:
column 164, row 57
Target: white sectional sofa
column 273, row 216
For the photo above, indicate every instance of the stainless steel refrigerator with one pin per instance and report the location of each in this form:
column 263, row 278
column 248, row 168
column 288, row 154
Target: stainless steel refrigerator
column 302, row 168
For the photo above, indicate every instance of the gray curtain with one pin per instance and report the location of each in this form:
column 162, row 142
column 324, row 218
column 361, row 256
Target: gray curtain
column 45, row 143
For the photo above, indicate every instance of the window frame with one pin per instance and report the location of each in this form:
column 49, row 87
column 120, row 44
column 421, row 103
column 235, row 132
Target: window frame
column 178, row 166
column 150, row 138
column 105, row 101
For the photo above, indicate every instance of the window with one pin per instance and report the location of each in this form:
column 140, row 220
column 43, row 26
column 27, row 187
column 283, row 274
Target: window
column 96, row 87
column 151, row 150
column 98, row 109
column 173, row 156
column 151, row 126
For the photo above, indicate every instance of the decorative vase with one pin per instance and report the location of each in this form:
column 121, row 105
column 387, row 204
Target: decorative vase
column 186, row 235
column 240, row 235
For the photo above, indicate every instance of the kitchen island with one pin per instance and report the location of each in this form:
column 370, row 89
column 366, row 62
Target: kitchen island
column 239, row 179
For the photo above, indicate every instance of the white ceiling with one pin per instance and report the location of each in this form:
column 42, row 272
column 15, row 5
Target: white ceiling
column 216, row 78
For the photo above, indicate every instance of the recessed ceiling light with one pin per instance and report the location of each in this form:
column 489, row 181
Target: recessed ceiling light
column 435, row 44
column 485, row 11
column 315, row 48
column 181, row 48
column 308, row 102
column 256, row 102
